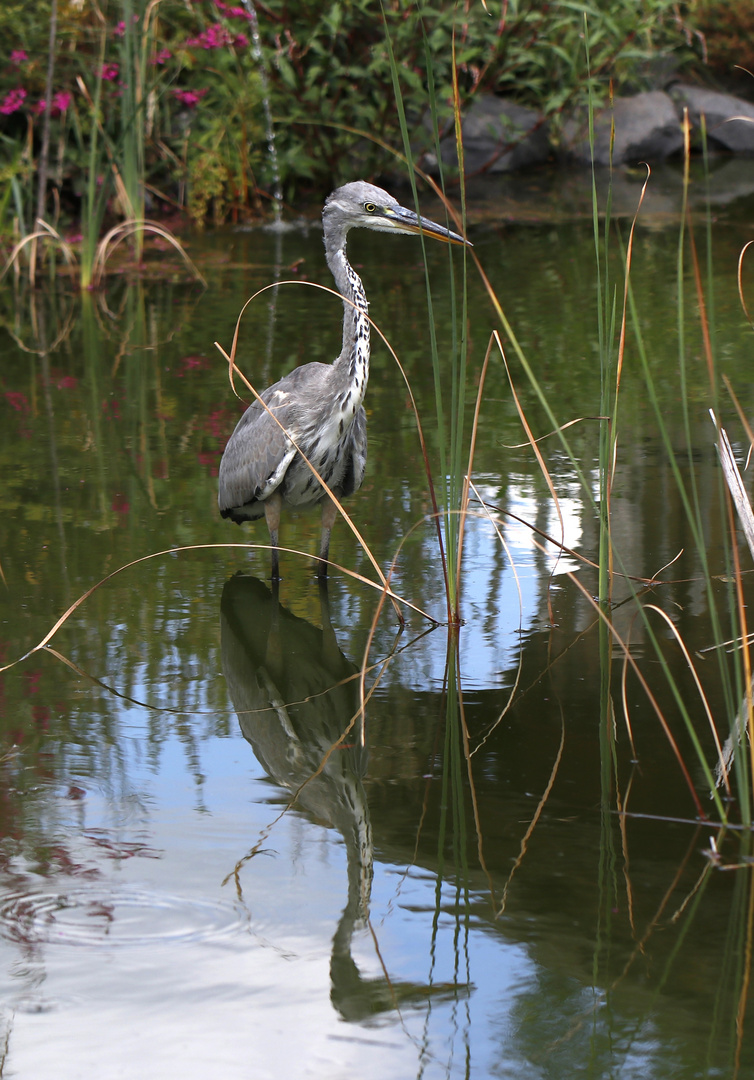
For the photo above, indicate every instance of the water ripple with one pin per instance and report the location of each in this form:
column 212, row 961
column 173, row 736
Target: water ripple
column 99, row 916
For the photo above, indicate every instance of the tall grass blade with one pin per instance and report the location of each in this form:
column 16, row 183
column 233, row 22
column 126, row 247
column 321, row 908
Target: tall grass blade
column 44, row 150
column 449, row 432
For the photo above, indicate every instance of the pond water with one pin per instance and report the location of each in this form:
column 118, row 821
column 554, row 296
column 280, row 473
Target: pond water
column 454, row 892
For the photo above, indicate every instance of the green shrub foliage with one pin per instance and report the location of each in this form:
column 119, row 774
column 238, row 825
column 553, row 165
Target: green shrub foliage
column 172, row 92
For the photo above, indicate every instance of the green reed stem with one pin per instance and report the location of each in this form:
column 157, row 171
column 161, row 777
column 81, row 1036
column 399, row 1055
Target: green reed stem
column 452, row 470
column 132, row 103
column 694, row 525
column 95, row 197
column 450, row 432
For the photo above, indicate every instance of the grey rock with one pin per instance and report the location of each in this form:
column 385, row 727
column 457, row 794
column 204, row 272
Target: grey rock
column 720, row 112
column 499, row 136
column 647, row 128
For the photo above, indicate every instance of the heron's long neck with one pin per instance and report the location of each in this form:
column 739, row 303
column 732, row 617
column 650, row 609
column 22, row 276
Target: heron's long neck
column 352, row 366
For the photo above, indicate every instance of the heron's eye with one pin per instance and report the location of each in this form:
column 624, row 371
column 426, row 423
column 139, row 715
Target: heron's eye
column 370, row 207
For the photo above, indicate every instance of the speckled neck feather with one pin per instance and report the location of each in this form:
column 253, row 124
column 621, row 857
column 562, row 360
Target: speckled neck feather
column 352, row 366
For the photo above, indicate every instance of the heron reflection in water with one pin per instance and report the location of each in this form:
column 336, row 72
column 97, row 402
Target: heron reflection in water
column 295, row 694
column 318, row 405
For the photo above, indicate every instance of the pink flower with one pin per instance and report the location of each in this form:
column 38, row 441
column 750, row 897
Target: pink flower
column 120, row 29
column 214, row 37
column 240, row 41
column 232, row 12
column 189, row 98
column 61, row 101
column 13, row 101
column 109, row 72
column 161, row 56
column 18, row 56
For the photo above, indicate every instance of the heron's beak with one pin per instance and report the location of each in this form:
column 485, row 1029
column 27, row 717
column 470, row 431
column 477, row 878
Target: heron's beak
column 407, row 221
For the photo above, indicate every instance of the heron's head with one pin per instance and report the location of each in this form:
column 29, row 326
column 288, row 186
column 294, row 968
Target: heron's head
column 362, row 205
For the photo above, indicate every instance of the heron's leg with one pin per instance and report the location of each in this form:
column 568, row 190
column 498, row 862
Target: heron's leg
column 330, row 649
column 272, row 515
column 329, row 513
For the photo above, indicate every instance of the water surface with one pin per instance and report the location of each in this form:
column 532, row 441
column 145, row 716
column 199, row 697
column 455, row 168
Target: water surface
column 162, row 909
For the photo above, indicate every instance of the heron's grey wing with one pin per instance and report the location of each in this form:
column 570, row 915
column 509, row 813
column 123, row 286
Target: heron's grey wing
column 257, row 455
column 357, row 451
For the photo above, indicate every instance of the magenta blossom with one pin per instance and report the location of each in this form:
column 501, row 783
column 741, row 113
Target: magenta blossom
column 120, row 28
column 13, row 101
column 232, row 12
column 61, row 101
column 109, row 72
column 18, row 56
column 214, row 37
column 161, row 56
column 189, row 98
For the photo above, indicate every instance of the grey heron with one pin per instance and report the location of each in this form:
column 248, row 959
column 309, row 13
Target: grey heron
column 318, row 405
